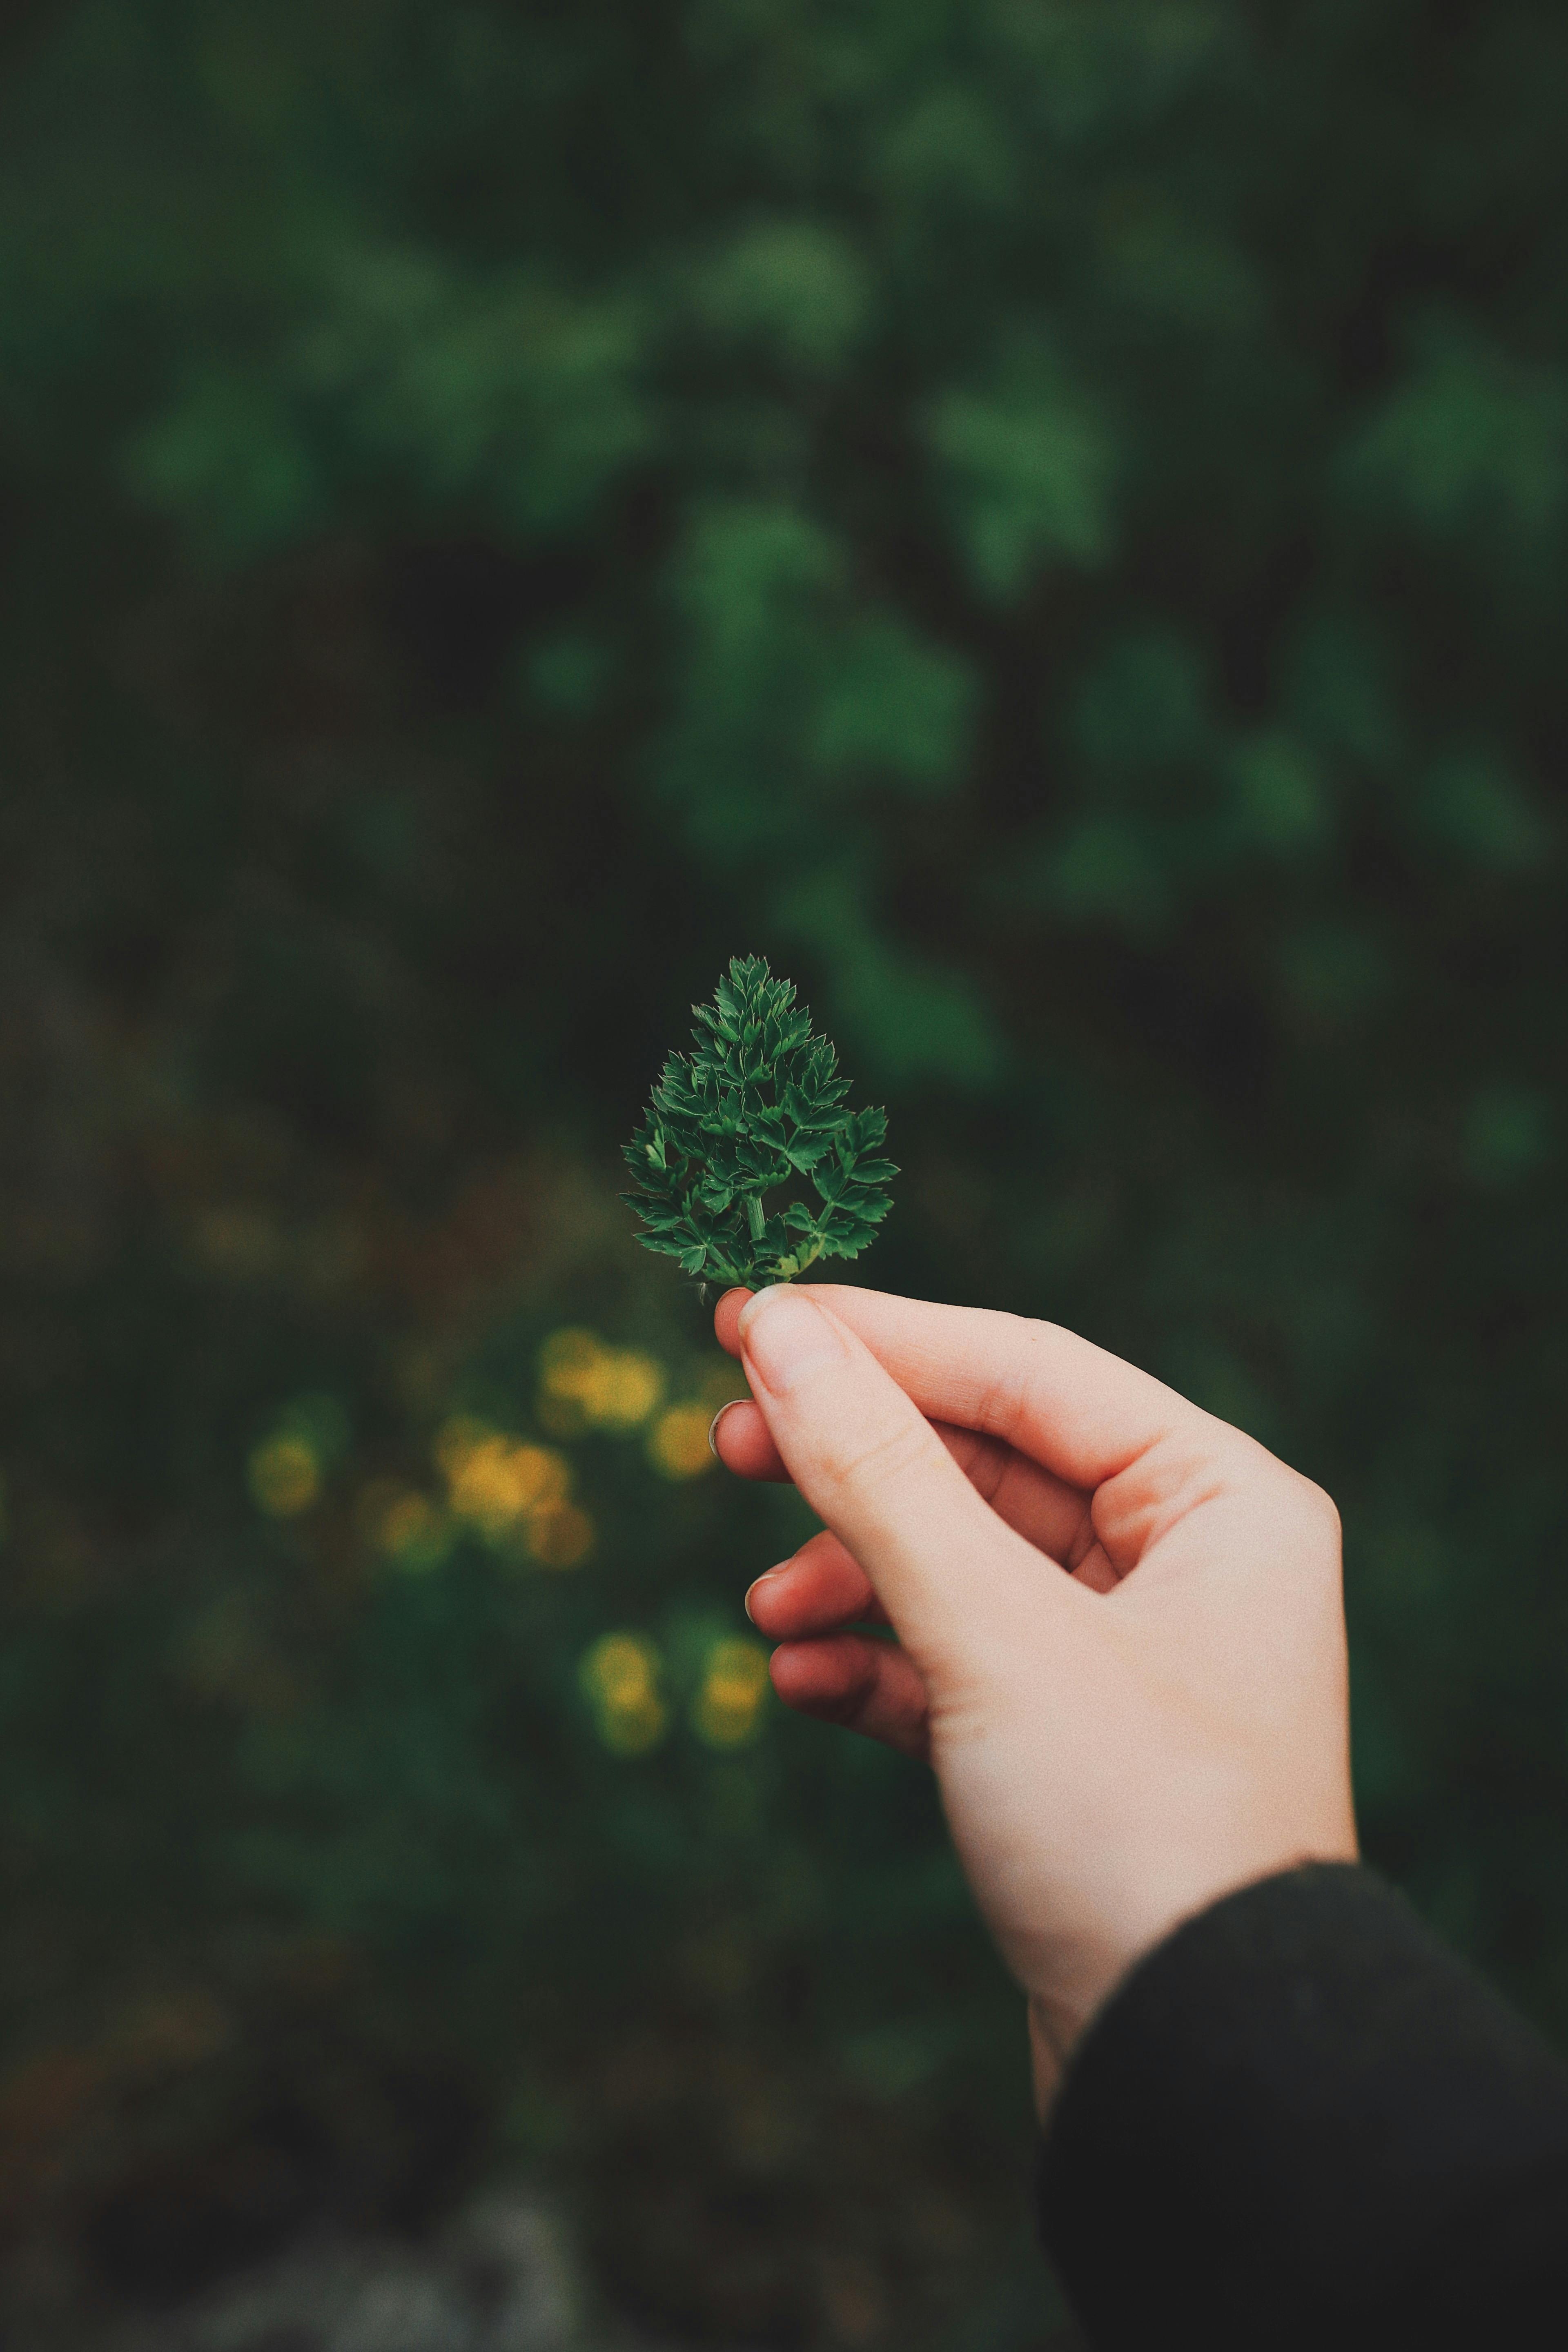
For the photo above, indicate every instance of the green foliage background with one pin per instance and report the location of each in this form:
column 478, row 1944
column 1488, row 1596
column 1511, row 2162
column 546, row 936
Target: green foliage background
column 1049, row 521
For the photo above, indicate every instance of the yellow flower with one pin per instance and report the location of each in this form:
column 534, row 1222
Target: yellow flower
column 719, row 1380
column 678, row 1442
column 285, row 1475
column 456, row 1439
column 415, row 1533
column 728, row 1710
column 588, row 1385
column 560, row 1536
column 494, row 1481
column 567, row 1359
column 620, row 1676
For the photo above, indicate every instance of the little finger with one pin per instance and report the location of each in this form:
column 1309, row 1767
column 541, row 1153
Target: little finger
column 821, row 1589
column 865, row 1685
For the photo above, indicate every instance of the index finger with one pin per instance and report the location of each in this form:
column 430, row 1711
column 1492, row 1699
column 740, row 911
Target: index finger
column 1047, row 1511
column 1074, row 1408
column 869, row 1463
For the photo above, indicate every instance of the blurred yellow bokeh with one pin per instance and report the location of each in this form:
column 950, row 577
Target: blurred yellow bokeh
column 458, row 1437
column 620, row 1677
column 678, row 1442
column 285, row 1475
column 515, row 1496
column 560, row 1535
column 720, row 1383
column 586, row 1384
column 728, row 1710
column 415, row 1532
column 494, row 1481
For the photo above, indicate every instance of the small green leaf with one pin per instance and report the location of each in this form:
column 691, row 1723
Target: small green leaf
column 757, row 1104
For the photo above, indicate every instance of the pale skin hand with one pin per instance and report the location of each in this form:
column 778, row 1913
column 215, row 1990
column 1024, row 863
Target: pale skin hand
column 1121, row 1637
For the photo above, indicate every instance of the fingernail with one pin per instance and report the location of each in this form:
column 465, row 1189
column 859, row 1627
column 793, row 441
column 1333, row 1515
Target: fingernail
column 714, row 1426
column 736, row 1290
column 785, row 1336
column 763, row 1579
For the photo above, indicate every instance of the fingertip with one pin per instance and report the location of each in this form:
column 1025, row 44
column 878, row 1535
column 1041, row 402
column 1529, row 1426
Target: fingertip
column 727, row 1319
column 766, row 1593
column 866, row 1686
column 818, row 1673
column 787, row 1338
column 713, row 1427
column 740, row 1440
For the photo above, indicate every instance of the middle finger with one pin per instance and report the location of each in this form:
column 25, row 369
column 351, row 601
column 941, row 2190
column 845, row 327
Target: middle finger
column 1033, row 1503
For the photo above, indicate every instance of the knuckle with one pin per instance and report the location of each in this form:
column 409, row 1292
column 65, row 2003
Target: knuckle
column 876, row 1455
column 1019, row 1396
column 1317, row 1508
column 1306, row 1516
column 987, row 1463
column 1196, row 1462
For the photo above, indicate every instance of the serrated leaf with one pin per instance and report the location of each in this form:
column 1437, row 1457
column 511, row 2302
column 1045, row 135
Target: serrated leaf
column 759, row 1101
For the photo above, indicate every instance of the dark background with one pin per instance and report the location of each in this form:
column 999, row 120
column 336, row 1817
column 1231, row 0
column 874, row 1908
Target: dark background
column 1050, row 522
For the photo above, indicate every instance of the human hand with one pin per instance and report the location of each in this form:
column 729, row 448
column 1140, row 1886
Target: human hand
column 1121, row 1637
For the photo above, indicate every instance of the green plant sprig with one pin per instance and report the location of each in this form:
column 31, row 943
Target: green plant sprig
column 758, row 1103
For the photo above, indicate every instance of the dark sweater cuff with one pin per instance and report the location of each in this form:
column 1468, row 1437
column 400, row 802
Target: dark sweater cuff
column 1301, row 2120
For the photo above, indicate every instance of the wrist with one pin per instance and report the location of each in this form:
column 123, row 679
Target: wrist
column 1051, row 2039
column 1062, row 2009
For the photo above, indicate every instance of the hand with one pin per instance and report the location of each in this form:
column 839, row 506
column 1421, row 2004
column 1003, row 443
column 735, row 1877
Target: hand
column 1120, row 1633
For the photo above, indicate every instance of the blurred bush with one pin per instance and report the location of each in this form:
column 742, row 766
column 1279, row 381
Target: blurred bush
column 1047, row 519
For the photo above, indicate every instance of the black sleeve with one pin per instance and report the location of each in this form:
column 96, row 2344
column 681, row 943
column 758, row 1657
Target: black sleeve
column 1302, row 2121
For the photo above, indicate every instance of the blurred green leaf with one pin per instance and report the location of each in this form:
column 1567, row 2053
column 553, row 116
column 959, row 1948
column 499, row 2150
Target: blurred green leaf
column 1472, row 445
column 1143, row 705
column 227, row 459
column 1281, row 801
column 1027, row 471
column 794, row 289
column 1480, row 814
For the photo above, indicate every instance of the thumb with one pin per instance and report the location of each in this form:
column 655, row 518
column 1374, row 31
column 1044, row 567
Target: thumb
column 872, row 1466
